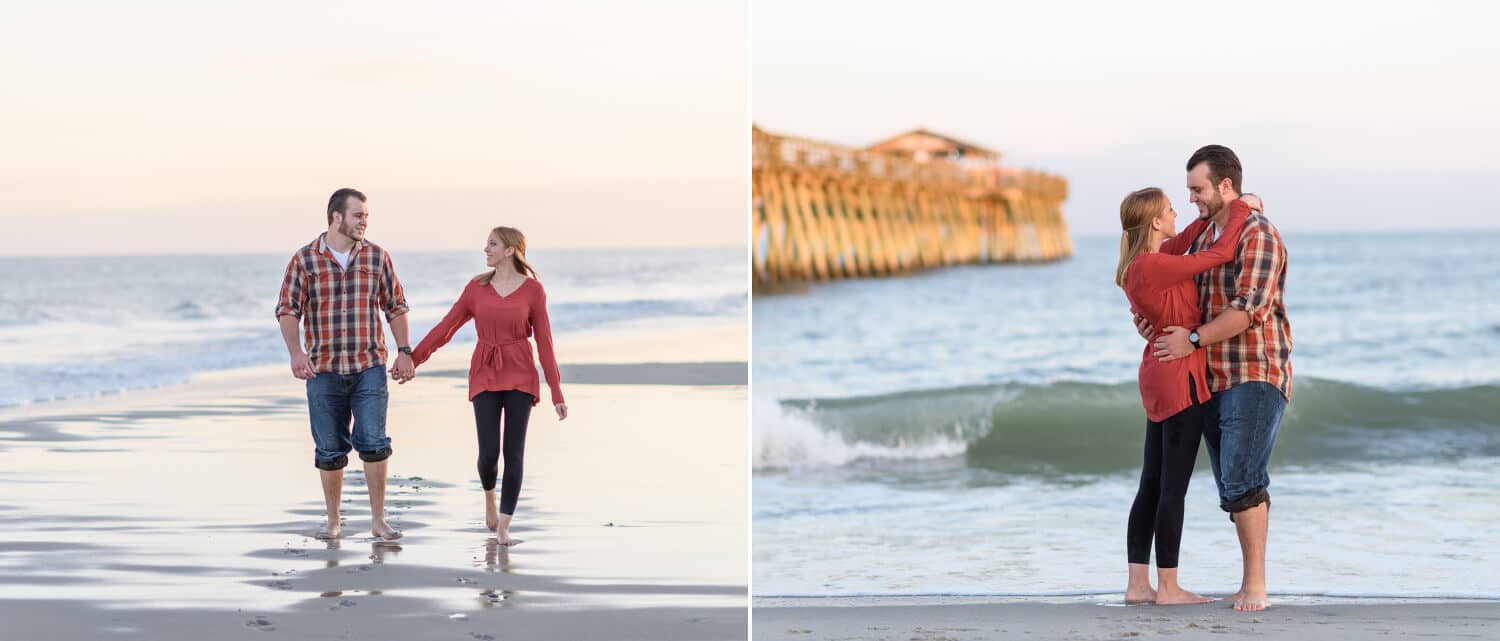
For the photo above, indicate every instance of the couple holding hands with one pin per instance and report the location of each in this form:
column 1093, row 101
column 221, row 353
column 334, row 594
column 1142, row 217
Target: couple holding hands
column 339, row 285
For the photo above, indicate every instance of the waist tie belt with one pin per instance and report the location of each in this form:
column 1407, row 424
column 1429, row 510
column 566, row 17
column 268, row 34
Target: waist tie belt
column 494, row 356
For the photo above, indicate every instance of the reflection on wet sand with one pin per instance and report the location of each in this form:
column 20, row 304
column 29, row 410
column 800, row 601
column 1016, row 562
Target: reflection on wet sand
column 496, row 556
column 178, row 517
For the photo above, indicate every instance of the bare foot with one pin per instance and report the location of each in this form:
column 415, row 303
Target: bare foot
column 1139, row 596
column 1252, row 602
column 330, row 530
column 491, row 514
column 502, row 531
column 382, row 530
column 1179, row 596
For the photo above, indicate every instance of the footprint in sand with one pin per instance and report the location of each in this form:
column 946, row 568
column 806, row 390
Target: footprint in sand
column 481, row 637
column 260, row 623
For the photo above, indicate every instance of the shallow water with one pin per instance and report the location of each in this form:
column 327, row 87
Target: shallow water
column 168, row 318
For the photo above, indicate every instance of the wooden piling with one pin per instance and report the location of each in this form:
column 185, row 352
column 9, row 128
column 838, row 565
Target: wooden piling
column 917, row 201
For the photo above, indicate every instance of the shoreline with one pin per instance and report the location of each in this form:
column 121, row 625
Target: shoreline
column 1093, row 596
column 605, row 347
column 955, row 619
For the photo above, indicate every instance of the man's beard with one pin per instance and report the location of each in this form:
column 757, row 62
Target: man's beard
column 347, row 230
column 1213, row 207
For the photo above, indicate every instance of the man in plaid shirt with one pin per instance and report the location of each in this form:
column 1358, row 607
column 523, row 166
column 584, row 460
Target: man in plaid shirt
column 338, row 286
column 1249, row 343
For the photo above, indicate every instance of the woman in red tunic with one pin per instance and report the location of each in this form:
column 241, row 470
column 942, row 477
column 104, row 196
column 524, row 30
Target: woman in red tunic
column 1158, row 281
column 507, row 304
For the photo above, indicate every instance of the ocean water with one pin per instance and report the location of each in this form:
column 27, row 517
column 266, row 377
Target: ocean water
column 81, row 326
column 977, row 430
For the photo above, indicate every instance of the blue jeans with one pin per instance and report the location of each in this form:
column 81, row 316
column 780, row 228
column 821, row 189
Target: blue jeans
column 1239, row 429
column 333, row 401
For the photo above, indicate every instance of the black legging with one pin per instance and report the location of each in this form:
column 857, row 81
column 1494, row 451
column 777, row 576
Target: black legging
column 1171, row 451
column 487, row 407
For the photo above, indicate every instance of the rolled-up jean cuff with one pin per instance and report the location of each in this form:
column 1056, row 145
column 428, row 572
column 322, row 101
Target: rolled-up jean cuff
column 1251, row 499
column 336, row 464
column 376, row 456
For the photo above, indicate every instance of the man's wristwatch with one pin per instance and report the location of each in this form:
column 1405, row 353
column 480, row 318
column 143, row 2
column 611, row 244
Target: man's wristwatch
column 406, row 349
column 1193, row 338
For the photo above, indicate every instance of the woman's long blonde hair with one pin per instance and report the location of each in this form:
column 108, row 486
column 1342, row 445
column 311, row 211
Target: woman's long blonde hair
column 1136, row 213
column 513, row 238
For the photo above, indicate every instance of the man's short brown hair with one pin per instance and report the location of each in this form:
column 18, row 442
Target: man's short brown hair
column 1222, row 163
column 339, row 201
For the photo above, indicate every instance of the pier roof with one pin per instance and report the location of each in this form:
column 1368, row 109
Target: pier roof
column 920, row 141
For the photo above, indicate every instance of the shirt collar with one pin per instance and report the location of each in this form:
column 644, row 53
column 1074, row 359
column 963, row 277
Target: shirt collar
column 324, row 248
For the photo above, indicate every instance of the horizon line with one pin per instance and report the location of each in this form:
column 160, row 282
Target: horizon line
column 404, row 251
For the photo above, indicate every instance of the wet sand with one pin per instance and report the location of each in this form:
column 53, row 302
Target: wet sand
column 955, row 619
column 188, row 512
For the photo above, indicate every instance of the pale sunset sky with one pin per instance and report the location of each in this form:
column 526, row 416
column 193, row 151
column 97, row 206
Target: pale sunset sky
column 192, row 127
column 1346, row 115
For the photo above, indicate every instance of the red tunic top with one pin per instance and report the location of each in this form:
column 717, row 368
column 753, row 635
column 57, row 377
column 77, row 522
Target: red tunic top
column 1160, row 288
column 502, row 357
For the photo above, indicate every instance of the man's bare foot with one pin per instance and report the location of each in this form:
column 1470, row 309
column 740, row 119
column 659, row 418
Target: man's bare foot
column 383, row 530
column 1252, row 602
column 1179, row 596
column 330, row 530
column 1139, row 596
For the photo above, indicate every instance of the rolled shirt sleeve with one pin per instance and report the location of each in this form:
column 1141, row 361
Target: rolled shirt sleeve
column 1261, row 259
column 293, row 296
column 392, row 297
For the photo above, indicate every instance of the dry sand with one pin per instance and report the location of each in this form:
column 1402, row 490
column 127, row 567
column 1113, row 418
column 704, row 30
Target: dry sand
column 187, row 512
column 952, row 619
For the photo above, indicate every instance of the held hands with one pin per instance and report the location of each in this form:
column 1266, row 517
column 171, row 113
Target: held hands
column 402, row 370
column 302, row 367
column 1173, row 344
column 1254, row 202
column 562, row 410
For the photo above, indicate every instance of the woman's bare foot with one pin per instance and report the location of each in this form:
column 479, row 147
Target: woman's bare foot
column 330, row 530
column 502, row 531
column 1139, row 596
column 383, row 530
column 491, row 513
column 1138, row 589
column 1251, row 602
column 1177, row 596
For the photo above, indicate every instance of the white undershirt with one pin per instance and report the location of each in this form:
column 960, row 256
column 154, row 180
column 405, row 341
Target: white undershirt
column 342, row 257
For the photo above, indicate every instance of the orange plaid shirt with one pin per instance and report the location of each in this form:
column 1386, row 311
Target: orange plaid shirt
column 340, row 308
column 1254, row 283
